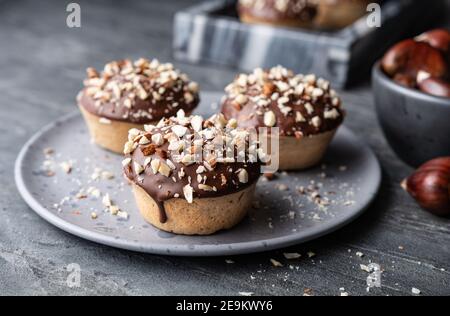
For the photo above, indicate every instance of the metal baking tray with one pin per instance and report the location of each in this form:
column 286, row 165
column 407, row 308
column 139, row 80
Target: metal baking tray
column 210, row 32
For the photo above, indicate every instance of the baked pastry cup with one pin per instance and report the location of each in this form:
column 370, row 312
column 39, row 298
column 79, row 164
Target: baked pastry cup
column 306, row 111
column 337, row 14
column 183, row 180
column 128, row 95
column 290, row 13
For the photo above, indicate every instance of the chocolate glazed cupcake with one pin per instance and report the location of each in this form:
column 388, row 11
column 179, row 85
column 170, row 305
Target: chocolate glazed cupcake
column 128, row 95
column 336, row 14
column 178, row 189
column 291, row 13
column 304, row 108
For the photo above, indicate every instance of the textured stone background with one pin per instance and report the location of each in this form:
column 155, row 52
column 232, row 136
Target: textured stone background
column 42, row 64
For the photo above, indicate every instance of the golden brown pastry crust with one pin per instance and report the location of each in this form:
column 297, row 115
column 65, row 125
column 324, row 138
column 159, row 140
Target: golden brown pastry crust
column 203, row 216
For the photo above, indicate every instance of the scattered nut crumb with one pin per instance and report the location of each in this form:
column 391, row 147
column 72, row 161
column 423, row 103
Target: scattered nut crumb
column 48, row 151
column 66, row 166
column 415, row 291
column 307, row 292
column 342, row 168
column 276, row 263
column 282, row 187
column 365, row 268
column 291, row 255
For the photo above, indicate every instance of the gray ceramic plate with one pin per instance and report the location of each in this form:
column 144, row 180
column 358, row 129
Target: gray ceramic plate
column 347, row 181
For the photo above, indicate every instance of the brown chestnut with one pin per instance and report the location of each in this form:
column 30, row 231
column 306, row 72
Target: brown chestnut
column 405, row 80
column 435, row 86
column 430, row 186
column 437, row 38
column 409, row 57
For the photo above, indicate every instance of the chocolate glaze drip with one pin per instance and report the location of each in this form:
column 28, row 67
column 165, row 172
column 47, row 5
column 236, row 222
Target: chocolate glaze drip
column 162, row 212
column 161, row 188
column 247, row 117
column 302, row 10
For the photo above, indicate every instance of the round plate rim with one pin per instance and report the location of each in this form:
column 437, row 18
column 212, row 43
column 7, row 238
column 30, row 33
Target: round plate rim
column 245, row 247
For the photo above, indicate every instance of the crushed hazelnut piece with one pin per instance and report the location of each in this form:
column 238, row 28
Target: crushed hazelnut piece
column 269, row 118
column 291, row 255
column 188, row 192
column 276, row 263
column 103, row 120
column 243, row 176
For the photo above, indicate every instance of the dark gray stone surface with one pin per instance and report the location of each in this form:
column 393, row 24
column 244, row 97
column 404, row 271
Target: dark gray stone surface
column 42, row 64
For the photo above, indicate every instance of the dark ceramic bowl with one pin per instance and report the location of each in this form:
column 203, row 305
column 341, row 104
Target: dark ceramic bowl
column 416, row 125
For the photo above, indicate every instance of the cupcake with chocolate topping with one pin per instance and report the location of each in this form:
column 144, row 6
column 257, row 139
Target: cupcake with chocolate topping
column 304, row 108
column 128, row 94
column 337, row 14
column 185, row 180
column 291, row 13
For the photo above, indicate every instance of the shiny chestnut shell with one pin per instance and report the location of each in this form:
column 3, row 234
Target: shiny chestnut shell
column 430, row 186
column 408, row 57
column 438, row 38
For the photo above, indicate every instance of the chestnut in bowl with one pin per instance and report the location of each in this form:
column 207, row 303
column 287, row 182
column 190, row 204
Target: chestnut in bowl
column 407, row 58
column 416, row 124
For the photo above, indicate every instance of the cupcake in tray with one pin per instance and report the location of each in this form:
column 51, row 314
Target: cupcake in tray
column 318, row 14
column 336, row 14
column 183, row 181
column 305, row 109
column 130, row 94
column 291, row 13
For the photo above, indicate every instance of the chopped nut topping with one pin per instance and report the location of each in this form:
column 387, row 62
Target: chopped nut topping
column 126, row 162
column 269, row 119
column 164, row 169
column 155, row 165
column 188, row 192
column 103, row 120
column 299, row 117
column 331, row 114
column 158, row 139
column 291, row 255
column 193, row 87
column 138, row 168
column 302, row 96
column 268, row 89
column 241, row 99
column 144, row 140
column 147, row 161
column 178, row 132
column 149, row 150
column 92, row 73
column 243, row 176
column 66, row 167
column 197, row 123
column 316, row 121
column 205, row 187
column 276, row 263
column 129, row 147
column 126, row 83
